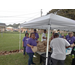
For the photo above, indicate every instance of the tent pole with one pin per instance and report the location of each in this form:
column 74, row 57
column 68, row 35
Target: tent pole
column 1, row 32
column 47, row 44
column 20, row 39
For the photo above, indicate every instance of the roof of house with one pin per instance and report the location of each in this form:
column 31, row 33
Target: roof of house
column 9, row 27
column 2, row 25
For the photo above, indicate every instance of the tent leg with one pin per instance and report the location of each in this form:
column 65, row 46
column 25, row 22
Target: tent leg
column 1, row 32
column 47, row 44
column 20, row 39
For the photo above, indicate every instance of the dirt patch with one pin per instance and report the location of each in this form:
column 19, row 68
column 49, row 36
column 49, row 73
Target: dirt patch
column 10, row 52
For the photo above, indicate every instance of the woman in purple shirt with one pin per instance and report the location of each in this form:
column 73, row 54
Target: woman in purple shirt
column 25, row 42
column 70, row 38
column 30, row 44
column 36, row 34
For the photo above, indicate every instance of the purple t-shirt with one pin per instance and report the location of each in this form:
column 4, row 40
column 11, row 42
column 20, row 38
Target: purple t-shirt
column 71, row 40
column 25, row 41
column 36, row 36
column 30, row 42
column 62, row 36
column 67, row 36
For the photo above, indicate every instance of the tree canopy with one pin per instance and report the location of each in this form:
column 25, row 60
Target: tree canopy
column 69, row 13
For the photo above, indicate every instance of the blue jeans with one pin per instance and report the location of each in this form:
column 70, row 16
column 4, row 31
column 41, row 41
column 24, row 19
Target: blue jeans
column 30, row 60
column 24, row 50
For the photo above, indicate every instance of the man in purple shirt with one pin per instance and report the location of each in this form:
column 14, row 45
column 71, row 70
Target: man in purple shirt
column 25, row 42
column 70, row 38
column 36, row 34
column 30, row 44
column 36, row 37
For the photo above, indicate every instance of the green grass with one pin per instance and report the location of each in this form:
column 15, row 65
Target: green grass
column 10, row 41
column 68, row 60
column 17, row 59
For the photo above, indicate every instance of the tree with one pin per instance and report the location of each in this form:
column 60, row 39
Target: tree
column 69, row 13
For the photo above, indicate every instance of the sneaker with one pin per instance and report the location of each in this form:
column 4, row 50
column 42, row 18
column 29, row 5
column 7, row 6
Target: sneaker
column 34, row 56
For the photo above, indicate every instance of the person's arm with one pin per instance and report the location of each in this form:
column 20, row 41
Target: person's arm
column 44, row 37
column 22, row 44
column 38, row 36
column 51, row 45
column 30, row 45
column 67, row 44
column 37, row 41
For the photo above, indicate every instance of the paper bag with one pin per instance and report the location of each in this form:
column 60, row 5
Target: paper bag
column 34, row 49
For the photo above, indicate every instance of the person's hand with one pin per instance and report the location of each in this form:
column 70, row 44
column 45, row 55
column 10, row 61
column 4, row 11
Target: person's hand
column 37, row 41
column 32, row 46
column 72, row 45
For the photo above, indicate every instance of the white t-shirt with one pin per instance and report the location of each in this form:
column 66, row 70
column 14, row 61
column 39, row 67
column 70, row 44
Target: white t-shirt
column 59, row 51
column 43, row 35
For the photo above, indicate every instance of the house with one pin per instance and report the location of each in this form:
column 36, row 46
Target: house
column 2, row 27
column 16, row 29
column 9, row 28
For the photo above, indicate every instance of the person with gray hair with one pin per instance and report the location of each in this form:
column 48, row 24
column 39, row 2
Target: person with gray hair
column 59, row 49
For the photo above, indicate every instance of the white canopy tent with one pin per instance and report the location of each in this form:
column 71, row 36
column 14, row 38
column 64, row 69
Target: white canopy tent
column 48, row 22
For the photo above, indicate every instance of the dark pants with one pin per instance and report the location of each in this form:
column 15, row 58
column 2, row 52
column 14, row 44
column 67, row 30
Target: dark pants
column 55, row 61
column 30, row 60
column 24, row 51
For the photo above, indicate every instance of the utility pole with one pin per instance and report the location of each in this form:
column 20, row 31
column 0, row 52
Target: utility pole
column 41, row 12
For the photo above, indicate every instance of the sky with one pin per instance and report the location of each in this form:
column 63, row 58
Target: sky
column 11, row 16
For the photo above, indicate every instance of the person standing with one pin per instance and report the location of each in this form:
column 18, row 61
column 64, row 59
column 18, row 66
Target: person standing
column 25, row 42
column 59, row 49
column 44, row 38
column 26, row 31
column 67, row 36
column 70, row 38
column 30, row 44
column 62, row 36
column 52, row 37
column 36, row 37
column 36, row 34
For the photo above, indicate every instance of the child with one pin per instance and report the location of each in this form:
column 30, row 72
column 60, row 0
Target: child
column 25, row 42
column 73, row 54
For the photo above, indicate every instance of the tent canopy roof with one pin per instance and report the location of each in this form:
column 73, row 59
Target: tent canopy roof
column 56, row 22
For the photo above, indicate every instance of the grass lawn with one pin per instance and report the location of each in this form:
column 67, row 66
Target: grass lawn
column 17, row 59
column 10, row 41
